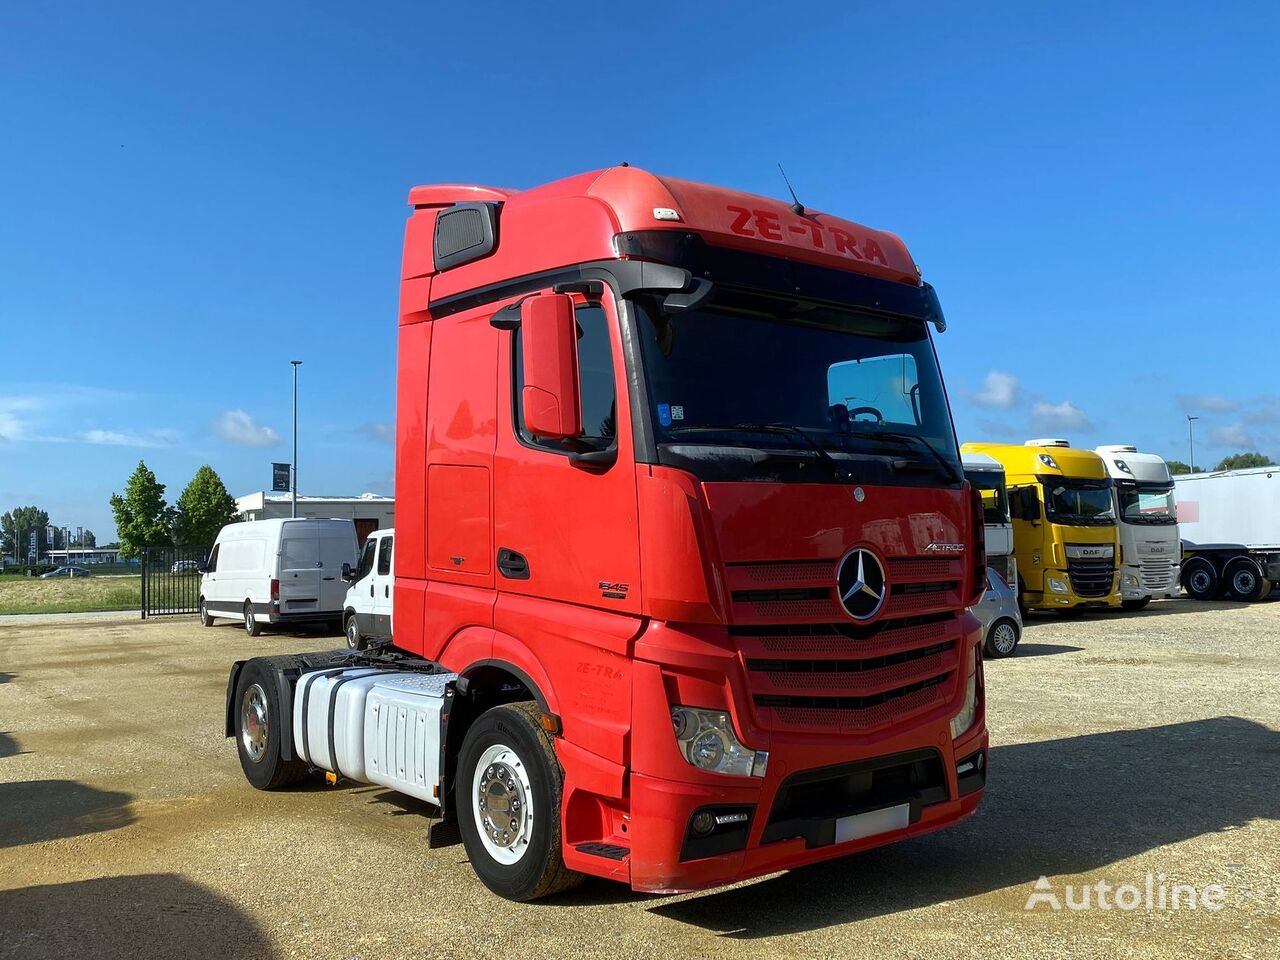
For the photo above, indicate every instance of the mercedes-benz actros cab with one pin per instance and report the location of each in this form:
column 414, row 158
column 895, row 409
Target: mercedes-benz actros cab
column 683, row 549
column 1064, row 524
column 1150, row 552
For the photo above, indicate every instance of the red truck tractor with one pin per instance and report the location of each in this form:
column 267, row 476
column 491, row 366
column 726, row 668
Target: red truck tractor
column 684, row 548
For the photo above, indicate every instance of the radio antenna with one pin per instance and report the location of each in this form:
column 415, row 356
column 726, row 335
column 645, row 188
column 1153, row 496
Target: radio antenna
column 796, row 207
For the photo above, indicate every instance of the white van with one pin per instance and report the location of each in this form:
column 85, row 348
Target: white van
column 277, row 571
column 366, row 614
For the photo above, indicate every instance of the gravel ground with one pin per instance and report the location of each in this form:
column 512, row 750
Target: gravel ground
column 1122, row 746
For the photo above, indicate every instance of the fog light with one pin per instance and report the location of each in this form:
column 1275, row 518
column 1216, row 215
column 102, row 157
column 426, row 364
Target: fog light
column 703, row 823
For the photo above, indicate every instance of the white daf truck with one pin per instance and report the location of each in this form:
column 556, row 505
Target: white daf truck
column 1230, row 523
column 1150, row 553
column 986, row 475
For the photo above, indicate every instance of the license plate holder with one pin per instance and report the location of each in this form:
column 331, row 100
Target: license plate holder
column 873, row 822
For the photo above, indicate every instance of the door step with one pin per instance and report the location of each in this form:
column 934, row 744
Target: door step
column 607, row 850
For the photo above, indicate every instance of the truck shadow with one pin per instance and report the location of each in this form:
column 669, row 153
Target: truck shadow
column 1042, row 650
column 144, row 916
column 9, row 746
column 38, row 810
column 6, row 677
column 1057, row 807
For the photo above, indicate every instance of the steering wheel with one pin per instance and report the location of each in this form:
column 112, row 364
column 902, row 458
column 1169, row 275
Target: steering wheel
column 855, row 412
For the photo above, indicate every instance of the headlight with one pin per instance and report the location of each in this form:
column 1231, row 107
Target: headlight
column 1130, row 580
column 1057, row 585
column 963, row 720
column 707, row 741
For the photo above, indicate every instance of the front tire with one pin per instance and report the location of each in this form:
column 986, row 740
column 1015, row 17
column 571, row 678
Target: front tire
column 257, row 727
column 1245, row 580
column 251, row 625
column 1135, row 605
column 1200, row 579
column 352, row 629
column 508, row 798
column 206, row 618
column 1002, row 639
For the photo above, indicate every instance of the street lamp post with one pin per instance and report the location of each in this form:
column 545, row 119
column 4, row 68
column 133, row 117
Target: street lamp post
column 293, row 487
column 1191, row 441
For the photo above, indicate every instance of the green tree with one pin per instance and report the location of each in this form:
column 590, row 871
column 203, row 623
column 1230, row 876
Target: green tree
column 142, row 516
column 17, row 524
column 1177, row 467
column 88, row 540
column 1243, row 461
column 204, row 508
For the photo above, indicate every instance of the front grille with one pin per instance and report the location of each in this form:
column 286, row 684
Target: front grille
column 809, row 666
column 1156, row 573
column 1091, row 578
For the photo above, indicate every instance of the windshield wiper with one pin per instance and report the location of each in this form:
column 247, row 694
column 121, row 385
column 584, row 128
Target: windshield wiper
column 781, row 429
column 893, row 435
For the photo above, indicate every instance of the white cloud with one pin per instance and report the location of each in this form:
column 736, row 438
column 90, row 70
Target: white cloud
column 999, row 391
column 14, row 424
column 1268, row 411
column 116, row 438
column 382, row 432
column 1059, row 416
column 1207, row 403
column 1234, row 435
column 236, row 426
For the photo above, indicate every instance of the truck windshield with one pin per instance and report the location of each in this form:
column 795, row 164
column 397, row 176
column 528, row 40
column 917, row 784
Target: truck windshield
column 995, row 500
column 1147, row 503
column 1078, row 502
column 767, row 373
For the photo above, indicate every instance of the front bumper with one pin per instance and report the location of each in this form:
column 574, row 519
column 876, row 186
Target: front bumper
column 662, row 860
column 1138, row 583
column 1050, row 600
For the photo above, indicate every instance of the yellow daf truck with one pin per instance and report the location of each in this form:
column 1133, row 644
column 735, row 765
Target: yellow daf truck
column 1064, row 524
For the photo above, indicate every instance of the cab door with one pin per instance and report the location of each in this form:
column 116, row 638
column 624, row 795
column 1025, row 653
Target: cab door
column 383, row 584
column 567, row 532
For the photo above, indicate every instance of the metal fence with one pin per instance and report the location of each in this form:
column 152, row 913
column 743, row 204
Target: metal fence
column 170, row 580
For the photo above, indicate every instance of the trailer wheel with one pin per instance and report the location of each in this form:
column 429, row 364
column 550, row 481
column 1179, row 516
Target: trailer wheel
column 1245, row 580
column 508, row 798
column 352, row 629
column 257, row 728
column 1002, row 638
column 206, row 618
column 251, row 625
column 1200, row 579
column 1134, row 605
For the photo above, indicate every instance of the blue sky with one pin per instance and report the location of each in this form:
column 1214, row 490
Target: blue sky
column 188, row 200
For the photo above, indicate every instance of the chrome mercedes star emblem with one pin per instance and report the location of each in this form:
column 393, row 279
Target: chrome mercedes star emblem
column 861, row 584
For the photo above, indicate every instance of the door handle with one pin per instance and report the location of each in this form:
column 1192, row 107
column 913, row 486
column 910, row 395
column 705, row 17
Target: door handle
column 371, row 589
column 331, row 578
column 512, row 565
column 386, row 591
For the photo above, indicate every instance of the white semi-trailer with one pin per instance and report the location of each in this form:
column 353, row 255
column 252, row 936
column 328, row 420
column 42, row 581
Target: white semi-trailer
column 986, row 475
column 1230, row 523
column 1149, row 548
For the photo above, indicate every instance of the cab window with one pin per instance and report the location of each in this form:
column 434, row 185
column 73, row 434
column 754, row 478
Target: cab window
column 366, row 559
column 384, row 556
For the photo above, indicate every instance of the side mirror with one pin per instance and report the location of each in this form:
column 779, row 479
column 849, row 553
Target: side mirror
column 202, row 566
column 348, row 574
column 1030, row 504
column 549, row 354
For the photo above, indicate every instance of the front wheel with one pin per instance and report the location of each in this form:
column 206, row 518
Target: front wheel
column 1002, row 639
column 1135, row 605
column 206, row 618
column 509, row 792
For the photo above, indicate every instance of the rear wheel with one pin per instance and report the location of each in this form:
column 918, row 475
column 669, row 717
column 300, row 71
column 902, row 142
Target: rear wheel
column 1245, row 580
column 1133, row 605
column 354, row 640
column 257, row 727
column 509, row 793
column 1200, row 579
column 206, row 618
column 251, row 625
column 1002, row 638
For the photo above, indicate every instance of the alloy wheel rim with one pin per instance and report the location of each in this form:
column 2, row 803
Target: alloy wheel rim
column 1005, row 638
